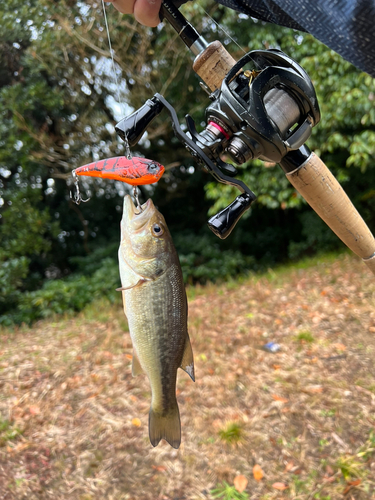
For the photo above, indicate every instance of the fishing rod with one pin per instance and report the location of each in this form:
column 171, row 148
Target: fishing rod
column 265, row 112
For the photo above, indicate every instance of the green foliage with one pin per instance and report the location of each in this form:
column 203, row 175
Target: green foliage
column 227, row 492
column 305, row 336
column 58, row 104
column 66, row 295
column 8, row 431
column 315, row 236
column 202, row 259
column 232, row 433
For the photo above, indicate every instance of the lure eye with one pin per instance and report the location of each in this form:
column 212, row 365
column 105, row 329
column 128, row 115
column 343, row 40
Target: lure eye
column 157, row 230
column 153, row 167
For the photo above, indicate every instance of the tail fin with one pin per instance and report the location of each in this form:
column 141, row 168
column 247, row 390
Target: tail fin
column 166, row 427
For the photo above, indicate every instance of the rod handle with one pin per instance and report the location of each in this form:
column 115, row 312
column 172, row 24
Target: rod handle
column 314, row 181
column 213, row 64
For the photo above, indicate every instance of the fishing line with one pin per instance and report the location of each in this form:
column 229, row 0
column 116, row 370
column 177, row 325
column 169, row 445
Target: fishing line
column 127, row 147
column 223, row 30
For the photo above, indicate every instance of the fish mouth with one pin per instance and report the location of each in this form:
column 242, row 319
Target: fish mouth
column 137, row 218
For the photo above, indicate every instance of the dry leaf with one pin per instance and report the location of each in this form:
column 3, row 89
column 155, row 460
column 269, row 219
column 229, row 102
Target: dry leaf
column 159, row 468
column 289, row 466
column 351, row 484
column 136, row 422
column 279, row 398
column 240, row 483
column 329, row 470
column 339, row 347
column 280, row 486
column 356, row 482
column 257, row 472
column 34, row 410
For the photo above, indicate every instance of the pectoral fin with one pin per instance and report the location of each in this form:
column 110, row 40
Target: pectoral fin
column 129, row 278
column 136, row 365
column 187, row 363
column 139, row 282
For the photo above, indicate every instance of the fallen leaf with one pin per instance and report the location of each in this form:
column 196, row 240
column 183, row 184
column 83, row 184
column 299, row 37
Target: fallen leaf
column 240, row 483
column 329, row 479
column 329, row 470
column 355, row 483
column 257, row 472
column 280, row 486
column 289, row 466
column 159, row 468
column 351, row 484
column 34, row 410
column 339, row 347
column 136, row 422
column 279, row 398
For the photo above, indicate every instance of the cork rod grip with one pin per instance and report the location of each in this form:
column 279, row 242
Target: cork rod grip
column 312, row 179
column 325, row 195
column 213, row 64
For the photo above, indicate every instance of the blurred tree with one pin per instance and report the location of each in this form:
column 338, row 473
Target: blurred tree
column 60, row 97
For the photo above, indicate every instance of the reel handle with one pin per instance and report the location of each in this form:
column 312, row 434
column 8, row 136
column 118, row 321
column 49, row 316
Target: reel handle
column 132, row 127
column 223, row 223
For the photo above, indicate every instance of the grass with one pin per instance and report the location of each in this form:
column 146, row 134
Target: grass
column 74, row 422
column 226, row 492
column 232, row 433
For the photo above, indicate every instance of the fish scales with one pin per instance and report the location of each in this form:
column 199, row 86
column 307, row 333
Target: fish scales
column 156, row 307
column 159, row 332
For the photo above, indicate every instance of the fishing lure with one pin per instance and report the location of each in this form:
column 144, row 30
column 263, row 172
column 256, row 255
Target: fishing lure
column 135, row 171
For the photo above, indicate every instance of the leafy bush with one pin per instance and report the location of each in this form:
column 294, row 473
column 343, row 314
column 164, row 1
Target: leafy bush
column 66, row 295
column 203, row 260
column 315, row 237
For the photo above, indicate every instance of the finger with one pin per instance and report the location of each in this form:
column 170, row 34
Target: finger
column 146, row 12
column 124, row 6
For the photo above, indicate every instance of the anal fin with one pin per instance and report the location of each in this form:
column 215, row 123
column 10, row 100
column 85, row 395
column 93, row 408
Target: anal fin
column 136, row 365
column 187, row 363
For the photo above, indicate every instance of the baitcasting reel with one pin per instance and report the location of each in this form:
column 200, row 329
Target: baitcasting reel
column 263, row 112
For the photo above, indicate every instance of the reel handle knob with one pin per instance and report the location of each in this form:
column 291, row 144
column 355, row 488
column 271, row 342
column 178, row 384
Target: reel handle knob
column 223, row 223
column 132, row 127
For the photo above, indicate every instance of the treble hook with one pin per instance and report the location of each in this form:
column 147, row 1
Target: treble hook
column 77, row 198
column 135, row 194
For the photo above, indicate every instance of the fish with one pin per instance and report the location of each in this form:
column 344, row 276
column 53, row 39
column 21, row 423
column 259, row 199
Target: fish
column 155, row 304
column 135, row 171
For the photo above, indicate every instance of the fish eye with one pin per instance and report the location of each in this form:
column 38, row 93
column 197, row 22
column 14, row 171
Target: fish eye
column 157, row 229
column 153, row 167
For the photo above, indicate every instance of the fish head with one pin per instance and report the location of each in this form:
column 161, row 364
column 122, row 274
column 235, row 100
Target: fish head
column 146, row 244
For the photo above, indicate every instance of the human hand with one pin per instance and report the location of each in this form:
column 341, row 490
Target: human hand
column 145, row 12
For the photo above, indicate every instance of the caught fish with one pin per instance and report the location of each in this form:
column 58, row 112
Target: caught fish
column 135, row 171
column 155, row 304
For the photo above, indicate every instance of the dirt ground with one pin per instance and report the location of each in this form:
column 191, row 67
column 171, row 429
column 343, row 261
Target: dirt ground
column 295, row 424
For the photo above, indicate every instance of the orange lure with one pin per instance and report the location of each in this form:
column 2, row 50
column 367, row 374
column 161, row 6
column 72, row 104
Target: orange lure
column 135, row 171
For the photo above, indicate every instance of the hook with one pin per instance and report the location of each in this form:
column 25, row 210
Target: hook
column 135, row 194
column 77, row 198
